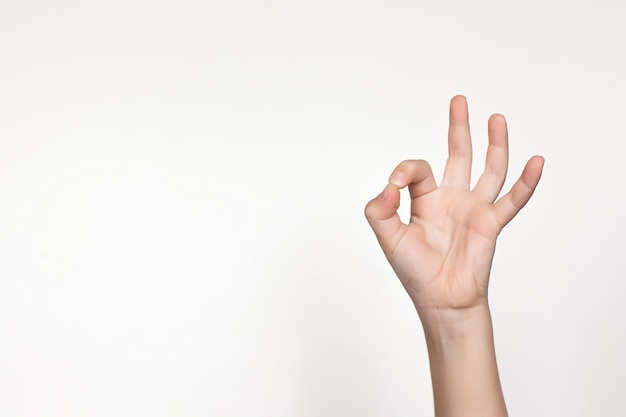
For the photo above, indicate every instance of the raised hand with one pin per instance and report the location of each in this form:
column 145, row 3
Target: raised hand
column 443, row 255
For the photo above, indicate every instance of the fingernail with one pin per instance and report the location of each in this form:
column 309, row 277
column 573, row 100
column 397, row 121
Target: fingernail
column 397, row 178
column 384, row 193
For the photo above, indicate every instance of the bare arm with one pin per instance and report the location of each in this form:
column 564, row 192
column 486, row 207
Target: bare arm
column 443, row 258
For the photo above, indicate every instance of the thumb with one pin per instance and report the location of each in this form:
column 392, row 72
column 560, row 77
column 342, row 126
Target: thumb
column 382, row 215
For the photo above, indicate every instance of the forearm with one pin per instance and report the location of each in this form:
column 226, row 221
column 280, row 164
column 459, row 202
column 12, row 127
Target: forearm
column 463, row 364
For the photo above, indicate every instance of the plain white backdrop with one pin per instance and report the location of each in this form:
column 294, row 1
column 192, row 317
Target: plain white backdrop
column 182, row 187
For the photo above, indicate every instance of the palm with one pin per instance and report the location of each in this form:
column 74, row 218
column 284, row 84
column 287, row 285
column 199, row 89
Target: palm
column 443, row 256
column 445, row 253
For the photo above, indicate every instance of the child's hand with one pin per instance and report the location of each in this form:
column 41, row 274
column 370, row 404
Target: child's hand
column 443, row 256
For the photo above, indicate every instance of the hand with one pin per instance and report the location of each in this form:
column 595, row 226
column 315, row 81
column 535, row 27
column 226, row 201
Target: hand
column 443, row 256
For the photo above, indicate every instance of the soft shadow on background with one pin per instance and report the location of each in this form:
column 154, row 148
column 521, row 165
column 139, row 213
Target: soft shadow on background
column 182, row 186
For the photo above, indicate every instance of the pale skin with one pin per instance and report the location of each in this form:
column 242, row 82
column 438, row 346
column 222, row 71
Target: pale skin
column 443, row 258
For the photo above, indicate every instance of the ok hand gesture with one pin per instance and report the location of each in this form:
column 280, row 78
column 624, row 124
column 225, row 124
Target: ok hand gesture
column 443, row 255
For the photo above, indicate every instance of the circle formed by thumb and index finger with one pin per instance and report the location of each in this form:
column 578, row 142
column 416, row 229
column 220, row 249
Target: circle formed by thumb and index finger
column 417, row 175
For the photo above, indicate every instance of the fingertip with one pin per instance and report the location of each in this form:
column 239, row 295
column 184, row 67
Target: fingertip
column 536, row 163
column 383, row 193
column 458, row 105
column 391, row 195
column 384, row 205
column 398, row 178
column 532, row 173
column 382, row 214
column 497, row 118
column 458, row 97
column 459, row 113
column 539, row 162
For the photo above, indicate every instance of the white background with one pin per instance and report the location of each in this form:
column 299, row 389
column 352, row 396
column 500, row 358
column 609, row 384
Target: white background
column 182, row 186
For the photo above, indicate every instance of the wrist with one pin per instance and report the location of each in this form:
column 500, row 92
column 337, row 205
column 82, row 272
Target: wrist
column 443, row 325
